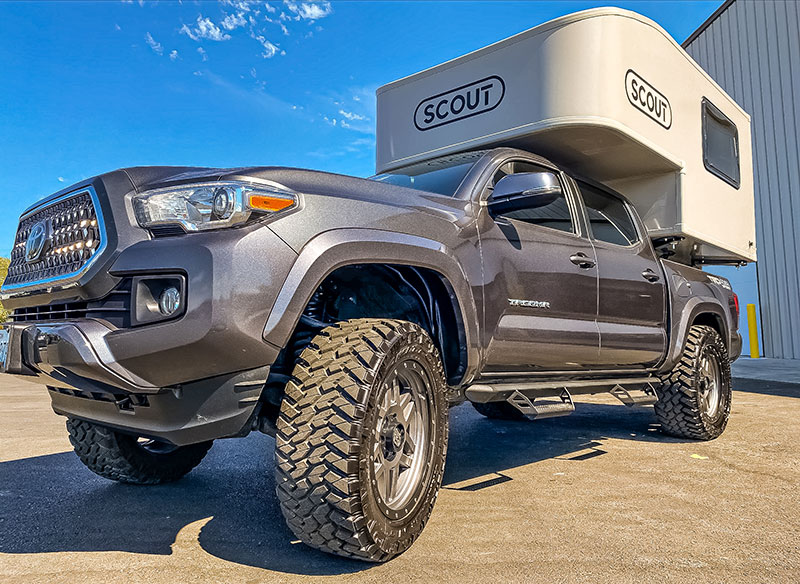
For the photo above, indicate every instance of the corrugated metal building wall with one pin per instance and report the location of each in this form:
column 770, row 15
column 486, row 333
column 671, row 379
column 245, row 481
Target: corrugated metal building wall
column 752, row 49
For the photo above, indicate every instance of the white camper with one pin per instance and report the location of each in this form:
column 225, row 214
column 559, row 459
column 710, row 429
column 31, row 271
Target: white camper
column 608, row 94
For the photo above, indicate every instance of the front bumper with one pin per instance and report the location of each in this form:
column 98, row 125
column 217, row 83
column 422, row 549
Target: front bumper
column 168, row 379
column 232, row 279
column 82, row 386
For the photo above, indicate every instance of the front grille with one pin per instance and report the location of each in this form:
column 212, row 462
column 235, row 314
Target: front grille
column 114, row 308
column 72, row 233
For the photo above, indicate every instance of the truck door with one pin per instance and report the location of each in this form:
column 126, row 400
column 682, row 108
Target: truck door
column 631, row 309
column 541, row 284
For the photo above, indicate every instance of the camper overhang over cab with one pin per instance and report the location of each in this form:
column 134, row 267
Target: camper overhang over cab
column 608, row 94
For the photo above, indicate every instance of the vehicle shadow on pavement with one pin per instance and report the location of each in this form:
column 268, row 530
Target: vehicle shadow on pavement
column 53, row 504
column 481, row 447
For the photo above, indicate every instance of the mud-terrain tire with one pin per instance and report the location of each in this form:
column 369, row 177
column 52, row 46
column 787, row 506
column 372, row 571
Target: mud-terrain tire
column 694, row 400
column 361, row 439
column 124, row 458
column 499, row 411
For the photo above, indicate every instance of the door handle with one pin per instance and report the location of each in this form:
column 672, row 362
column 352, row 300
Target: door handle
column 650, row 275
column 581, row 260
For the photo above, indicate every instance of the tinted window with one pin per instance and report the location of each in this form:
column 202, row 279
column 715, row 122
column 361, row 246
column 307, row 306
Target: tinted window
column 720, row 144
column 440, row 175
column 608, row 216
column 554, row 215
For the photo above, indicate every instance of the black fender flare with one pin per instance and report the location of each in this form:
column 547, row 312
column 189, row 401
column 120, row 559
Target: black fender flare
column 342, row 247
column 680, row 331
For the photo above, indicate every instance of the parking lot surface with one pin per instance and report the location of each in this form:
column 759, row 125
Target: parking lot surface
column 599, row 496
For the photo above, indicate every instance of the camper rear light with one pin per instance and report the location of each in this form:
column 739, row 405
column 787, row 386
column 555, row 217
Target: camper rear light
column 205, row 206
column 736, row 307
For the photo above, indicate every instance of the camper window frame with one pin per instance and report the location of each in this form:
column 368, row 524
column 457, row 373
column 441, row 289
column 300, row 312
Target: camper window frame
column 707, row 108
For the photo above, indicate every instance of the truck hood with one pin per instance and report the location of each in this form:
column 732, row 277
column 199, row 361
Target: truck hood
column 299, row 180
column 118, row 183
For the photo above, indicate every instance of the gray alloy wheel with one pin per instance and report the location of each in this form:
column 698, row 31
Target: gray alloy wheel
column 709, row 383
column 399, row 440
column 361, row 438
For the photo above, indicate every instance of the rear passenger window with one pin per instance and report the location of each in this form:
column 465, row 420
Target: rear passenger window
column 608, row 216
column 720, row 144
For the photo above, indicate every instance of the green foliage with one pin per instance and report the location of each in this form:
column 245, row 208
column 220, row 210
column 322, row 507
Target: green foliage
column 3, row 271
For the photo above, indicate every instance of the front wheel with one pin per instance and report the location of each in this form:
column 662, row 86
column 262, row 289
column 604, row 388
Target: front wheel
column 694, row 401
column 362, row 437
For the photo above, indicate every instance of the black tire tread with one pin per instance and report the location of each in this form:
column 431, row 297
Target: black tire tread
column 677, row 406
column 317, row 445
column 118, row 457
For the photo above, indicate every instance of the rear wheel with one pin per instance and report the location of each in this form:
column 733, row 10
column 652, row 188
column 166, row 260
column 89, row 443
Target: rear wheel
column 362, row 437
column 694, row 401
column 128, row 459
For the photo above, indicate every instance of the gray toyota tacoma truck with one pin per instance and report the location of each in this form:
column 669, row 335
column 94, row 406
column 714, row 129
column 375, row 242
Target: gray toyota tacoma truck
column 168, row 307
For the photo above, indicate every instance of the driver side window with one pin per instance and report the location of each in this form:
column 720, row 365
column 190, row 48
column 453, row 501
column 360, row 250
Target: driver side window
column 554, row 215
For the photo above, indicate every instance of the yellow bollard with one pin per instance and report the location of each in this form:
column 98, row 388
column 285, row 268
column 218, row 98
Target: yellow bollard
column 753, row 328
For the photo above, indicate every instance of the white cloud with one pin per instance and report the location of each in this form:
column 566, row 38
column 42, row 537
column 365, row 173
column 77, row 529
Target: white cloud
column 117, row 27
column 354, row 107
column 61, row 179
column 233, row 21
column 205, row 29
column 173, row 56
column 240, row 5
column 308, row 10
column 353, row 117
column 153, row 44
column 203, row 53
column 269, row 8
column 270, row 49
column 283, row 28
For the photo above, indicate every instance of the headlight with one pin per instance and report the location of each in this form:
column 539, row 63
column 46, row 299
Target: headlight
column 198, row 207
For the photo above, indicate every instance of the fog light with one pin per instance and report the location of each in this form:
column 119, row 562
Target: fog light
column 169, row 302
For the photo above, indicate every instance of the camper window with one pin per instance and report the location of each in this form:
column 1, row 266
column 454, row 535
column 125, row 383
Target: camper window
column 720, row 144
column 608, row 216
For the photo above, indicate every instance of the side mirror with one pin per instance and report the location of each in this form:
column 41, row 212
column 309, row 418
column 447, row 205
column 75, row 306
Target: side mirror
column 526, row 190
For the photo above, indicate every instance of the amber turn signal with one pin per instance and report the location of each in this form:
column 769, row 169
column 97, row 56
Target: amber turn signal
column 267, row 203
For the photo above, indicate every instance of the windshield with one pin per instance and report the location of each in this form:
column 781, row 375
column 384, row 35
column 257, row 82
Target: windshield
column 440, row 175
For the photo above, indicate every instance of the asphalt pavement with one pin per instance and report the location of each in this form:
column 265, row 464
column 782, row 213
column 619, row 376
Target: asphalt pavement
column 599, row 496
